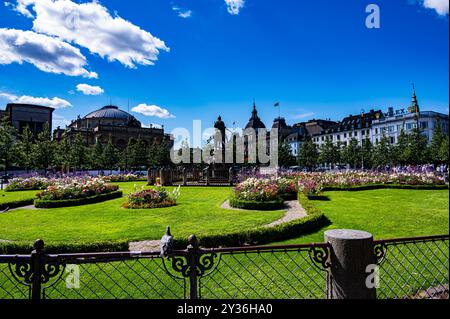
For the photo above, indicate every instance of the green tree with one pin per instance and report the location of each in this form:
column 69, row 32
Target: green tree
column 400, row 150
column 382, row 154
column 329, row 153
column 24, row 149
column 416, row 152
column 443, row 152
column 110, row 155
column 367, row 153
column 44, row 149
column 96, row 158
column 62, row 158
column 7, row 142
column 308, row 155
column 137, row 152
column 285, row 157
column 78, row 153
column 351, row 154
column 434, row 150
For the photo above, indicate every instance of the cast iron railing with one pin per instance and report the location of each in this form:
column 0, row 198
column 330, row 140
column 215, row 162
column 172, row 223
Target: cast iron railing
column 408, row 268
column 413, row 268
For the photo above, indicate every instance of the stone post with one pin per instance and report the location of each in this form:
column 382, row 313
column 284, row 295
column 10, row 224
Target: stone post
column 207, row 175
column 162, row 176
column 351, row 254
column 230, row 176
column 184, row 176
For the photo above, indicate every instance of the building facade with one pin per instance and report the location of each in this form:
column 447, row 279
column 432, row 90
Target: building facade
column 112, row 122
column 26, row 115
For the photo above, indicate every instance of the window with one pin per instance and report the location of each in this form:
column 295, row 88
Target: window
column 363, row 133
column 392, row 140
column 391, row 129
column 338, row 137
column 423, row 125
column 323, row 138
column 376, row 141
column 350, row 134
column 409, row 126
column 376, row 131
column 345, row 135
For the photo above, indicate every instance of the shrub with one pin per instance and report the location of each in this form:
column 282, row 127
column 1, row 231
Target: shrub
column 152, row 198
column 65, row 248
column 265, row 235
column 45, row 203
column 275, row 204
column 16, row 204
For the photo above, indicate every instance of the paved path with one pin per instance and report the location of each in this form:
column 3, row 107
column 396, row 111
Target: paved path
column 293, row 211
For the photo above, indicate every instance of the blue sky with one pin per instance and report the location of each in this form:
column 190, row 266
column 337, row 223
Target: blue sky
column 317, row 58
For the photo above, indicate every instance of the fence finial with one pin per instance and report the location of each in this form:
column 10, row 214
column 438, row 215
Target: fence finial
column 39, row 245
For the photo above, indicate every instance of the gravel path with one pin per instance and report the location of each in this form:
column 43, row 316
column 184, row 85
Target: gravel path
column 293, row 211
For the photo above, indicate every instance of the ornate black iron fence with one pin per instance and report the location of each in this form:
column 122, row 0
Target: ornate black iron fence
column 413, row 268
column 408, row 268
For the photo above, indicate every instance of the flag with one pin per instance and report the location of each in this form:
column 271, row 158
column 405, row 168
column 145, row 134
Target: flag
column 277, row 104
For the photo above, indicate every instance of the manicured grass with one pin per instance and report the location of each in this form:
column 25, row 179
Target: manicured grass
column 6, row 197
column 198, row 211
column 386, row 213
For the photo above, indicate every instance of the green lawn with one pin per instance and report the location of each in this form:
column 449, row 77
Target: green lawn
column 386, row 213
column 6, row 197
column 198, row 211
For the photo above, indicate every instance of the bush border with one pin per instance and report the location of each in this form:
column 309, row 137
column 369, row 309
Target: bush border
column 24, row 247
column 254, row 205
column 16, row 204
column 261, row 235
column 39, row 203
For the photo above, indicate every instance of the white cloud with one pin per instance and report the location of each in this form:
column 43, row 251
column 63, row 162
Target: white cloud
column 440, row 6
column 60, row 121
column 234, row 6
column 46, row 53
column 152, row 110
column 90, row 25
column 56, row 102
column 89, row 89
column 182, row 13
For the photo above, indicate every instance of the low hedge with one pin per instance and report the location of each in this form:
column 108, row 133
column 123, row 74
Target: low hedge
column 265, row 235
column 384, row 186
column 9, row 248
column 254, row 205
column 16, row 204
column 40, row 203
column 289, row 196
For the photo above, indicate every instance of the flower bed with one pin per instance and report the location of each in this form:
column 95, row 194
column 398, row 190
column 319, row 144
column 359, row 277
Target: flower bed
column 287, row 188
column 152, row 198
column 256, row 194
column 45, row 203
column 28, row 184
column 312, row 184
column 125, row 178
column 75, row 192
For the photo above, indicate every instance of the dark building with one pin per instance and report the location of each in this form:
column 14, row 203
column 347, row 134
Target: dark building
column 112, row 122
column 33, row 116
column 255, row 122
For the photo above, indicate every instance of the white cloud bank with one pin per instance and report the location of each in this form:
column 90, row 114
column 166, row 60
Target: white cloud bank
column 56, row 102
column 152, row 110
column 46, row 53
column 91, row 26
column 234, row 6
column 89, row 89
column 440, row 6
